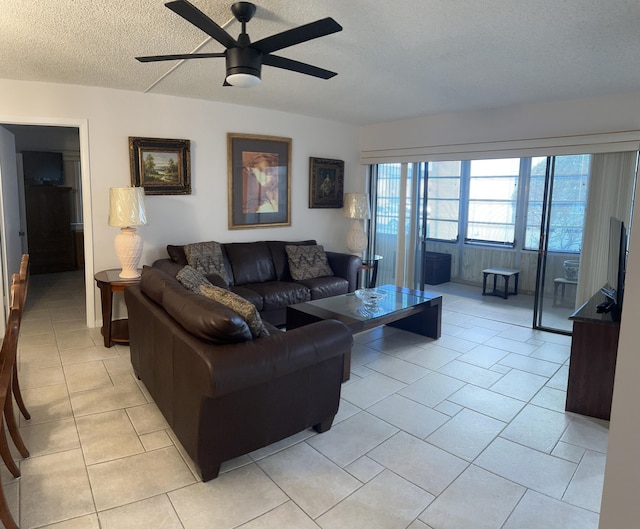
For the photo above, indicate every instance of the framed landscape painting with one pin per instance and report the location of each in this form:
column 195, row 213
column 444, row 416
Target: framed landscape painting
column 259, row 187
column 326, row 183
column 162, row 167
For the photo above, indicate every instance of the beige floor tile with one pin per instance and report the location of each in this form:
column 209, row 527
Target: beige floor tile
column 467, row 434
column 364, row 469
column 287, row 515
column 488, row 402
column 478, row 376
column 119, row 365
column 147, row 418
column 106, row 436
column 352, row 438
column 585, row 489
column 38, row 340
column 116, row 483
column 386, row 502
column 537, row 428
column 537, row 510
column 311, row 480
column 50, row 437
column 54, row 487
column 107, row 399
column 431, row 389
column 476, row 500
column 369, row 390
column 31, row 377
column 530, row 468
column 42, row 326
column 83, row 522
column 156, row 513
column 398, row 369
column 11, row 495
column 483, row 356
column 408, row 415
column 273, row 448
column 86, row 354
column 155, row 440
column 419, row 462
column 49, row 403
column 74, row 339
column 86, row 376
column 38, row 356
column 230, row 500
column 588, row 433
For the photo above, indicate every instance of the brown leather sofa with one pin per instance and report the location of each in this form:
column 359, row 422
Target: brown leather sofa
column 223, row 393
column 259, row 272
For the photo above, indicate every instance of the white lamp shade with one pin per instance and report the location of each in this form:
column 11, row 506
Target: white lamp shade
column 356, row 206
column 126, row 207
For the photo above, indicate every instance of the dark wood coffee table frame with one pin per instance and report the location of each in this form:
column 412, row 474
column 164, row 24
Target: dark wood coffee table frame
column 423, row 318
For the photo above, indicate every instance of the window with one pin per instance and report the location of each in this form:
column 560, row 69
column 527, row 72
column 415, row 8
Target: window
column 569, row 201
column 443, row 200
column 493, row 198
column 388, row 198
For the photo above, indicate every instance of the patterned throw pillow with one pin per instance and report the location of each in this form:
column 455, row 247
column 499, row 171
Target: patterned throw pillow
column 191, row 279
column 308, row 262
column 207, row 258
column 246, row 310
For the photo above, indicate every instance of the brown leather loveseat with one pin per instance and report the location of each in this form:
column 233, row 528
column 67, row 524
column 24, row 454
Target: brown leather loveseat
column 223, row 392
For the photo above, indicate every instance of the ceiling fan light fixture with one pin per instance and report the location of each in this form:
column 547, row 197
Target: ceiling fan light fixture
column 243, row 80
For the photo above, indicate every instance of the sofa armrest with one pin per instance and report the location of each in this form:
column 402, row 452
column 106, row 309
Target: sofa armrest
column 220, row 370
column 345, row 265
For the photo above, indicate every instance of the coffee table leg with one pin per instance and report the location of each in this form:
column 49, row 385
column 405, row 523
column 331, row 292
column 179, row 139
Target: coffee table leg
column 426, row 323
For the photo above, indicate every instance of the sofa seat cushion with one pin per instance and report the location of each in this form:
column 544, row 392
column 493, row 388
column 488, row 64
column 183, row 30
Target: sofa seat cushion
column 278, row 294
column 249, row 295
column 325, row 287
column 307, row 262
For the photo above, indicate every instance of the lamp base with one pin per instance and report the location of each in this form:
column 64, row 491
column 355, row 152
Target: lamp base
column 357, row 238
column 128, row 245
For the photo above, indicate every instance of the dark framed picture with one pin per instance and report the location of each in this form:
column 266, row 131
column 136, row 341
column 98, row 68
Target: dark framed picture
column 162, row 167
column 259, row 170
column 326, row 183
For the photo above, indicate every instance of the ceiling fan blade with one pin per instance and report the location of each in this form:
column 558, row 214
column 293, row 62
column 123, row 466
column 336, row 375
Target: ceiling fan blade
column 180, row 56
column 310, row 31
column 192, row 14
column 296, row 66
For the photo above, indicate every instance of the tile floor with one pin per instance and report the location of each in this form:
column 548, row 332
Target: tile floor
column 464, row 432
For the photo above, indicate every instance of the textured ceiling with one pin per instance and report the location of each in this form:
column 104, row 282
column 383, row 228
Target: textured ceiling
column 395, row 59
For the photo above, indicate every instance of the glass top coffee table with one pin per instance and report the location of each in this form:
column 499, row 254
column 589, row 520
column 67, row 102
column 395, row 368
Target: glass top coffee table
column 411, row 310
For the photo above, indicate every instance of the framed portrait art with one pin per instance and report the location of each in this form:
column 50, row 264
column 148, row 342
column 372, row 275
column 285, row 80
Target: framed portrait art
column 326, row 183
column 162, row 167
column 259, row 172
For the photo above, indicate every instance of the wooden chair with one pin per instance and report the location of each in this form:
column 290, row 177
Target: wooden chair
column 24, row 287
column 7, row 362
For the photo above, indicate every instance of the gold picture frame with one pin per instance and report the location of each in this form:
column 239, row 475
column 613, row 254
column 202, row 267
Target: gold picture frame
column 326, row 183
column 161, row 166
column 259, row 181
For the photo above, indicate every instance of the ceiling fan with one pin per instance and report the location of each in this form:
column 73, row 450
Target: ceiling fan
column 244, row 58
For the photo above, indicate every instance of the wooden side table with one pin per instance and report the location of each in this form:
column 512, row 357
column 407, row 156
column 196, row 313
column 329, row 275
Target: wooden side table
column 370, row 266
column 108, row 282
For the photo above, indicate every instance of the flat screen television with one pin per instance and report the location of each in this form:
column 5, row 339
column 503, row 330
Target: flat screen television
column 43, row 168
column 616, row 267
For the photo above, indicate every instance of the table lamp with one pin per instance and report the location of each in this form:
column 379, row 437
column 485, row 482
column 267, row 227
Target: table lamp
column 126, row 209
column 356, row 207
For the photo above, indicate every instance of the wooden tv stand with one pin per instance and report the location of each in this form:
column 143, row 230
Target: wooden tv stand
column 592, row 367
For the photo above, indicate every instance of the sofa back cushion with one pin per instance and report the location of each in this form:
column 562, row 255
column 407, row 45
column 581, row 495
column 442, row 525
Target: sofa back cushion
column 176, row 254
column 280, row 259
column 250, row 262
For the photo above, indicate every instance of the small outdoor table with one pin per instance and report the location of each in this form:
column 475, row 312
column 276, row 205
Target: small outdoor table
column 506, row 274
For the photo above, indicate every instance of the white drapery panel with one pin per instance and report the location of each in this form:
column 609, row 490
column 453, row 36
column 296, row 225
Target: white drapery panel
column 610, row 192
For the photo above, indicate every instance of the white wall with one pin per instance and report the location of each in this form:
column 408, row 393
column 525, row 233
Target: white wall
column 620, row 506
column 114, row 115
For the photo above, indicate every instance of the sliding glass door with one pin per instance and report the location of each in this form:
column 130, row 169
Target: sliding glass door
column 558, row 189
